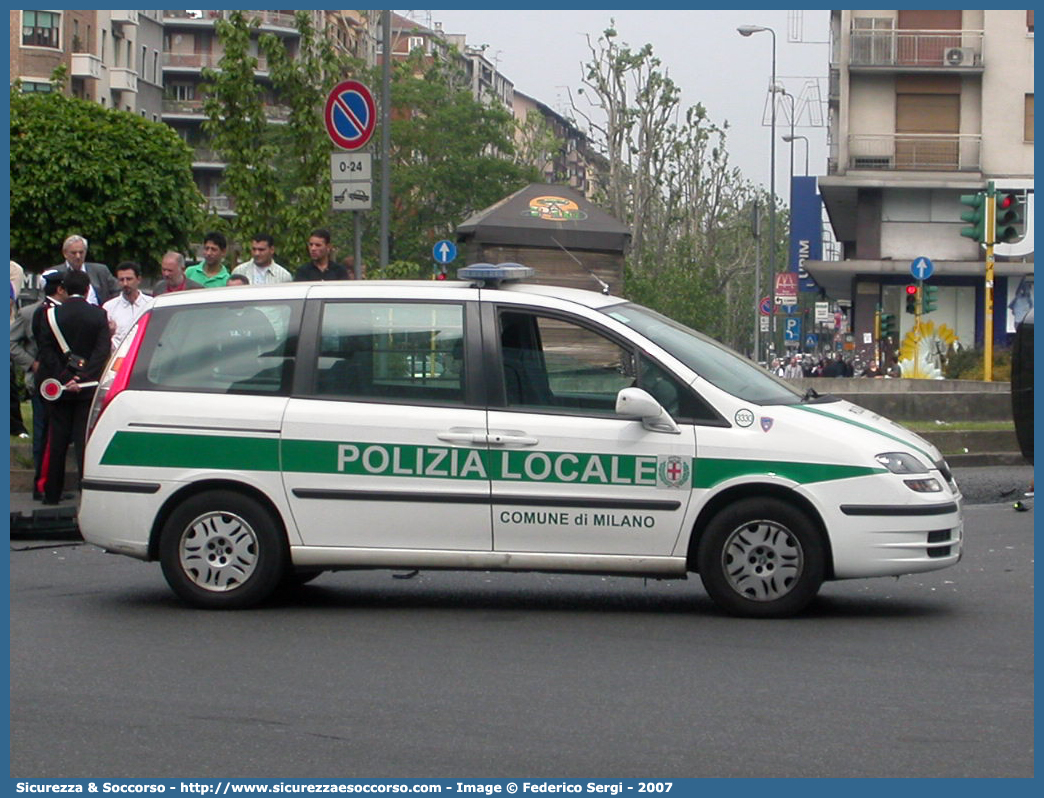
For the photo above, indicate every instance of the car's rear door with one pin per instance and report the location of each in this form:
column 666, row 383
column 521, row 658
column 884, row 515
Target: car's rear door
column 383, row 441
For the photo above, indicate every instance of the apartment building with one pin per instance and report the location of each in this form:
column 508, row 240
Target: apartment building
column 925, row 106
column 111, row 57
column 575, row 162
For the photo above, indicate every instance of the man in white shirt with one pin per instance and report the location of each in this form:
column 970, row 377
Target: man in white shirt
column 126, row 307
column 262, row 268
column 103, row 285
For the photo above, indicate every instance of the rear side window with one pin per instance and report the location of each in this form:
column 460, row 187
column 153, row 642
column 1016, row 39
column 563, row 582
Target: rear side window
column 221, row 348
column 412, row 352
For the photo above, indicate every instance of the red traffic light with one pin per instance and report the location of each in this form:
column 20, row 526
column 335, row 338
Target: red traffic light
column 440, row 276
column 1005, row 201
column 911, row 290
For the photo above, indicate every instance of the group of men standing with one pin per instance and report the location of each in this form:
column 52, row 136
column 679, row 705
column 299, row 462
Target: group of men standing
column 87, row 310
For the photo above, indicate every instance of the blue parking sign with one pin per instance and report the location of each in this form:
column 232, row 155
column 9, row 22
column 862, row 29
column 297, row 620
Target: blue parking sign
column 792, row 329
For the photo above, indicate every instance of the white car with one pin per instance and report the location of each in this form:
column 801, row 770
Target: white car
column 249, row 438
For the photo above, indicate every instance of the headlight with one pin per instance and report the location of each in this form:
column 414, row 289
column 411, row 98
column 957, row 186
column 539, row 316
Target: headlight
column 901, row 463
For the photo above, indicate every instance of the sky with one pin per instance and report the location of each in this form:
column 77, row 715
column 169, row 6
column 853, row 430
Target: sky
column 542, row 53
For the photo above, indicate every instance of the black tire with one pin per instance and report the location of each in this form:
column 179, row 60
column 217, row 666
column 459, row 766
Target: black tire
column 761, row 558
column 222, row 550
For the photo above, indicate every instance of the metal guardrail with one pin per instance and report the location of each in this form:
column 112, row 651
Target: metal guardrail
column 274, row 18
column 916, row 48
column 202, row 61
column 915, row 152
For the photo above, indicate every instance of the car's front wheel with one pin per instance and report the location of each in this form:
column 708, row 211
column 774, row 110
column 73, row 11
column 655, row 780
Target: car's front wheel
column 222, row 550
column 761, row 558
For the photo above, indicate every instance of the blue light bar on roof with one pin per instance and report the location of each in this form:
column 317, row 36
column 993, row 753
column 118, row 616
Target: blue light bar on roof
column 488, row 273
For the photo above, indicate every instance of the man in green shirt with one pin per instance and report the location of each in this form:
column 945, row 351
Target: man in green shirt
column 211, row 273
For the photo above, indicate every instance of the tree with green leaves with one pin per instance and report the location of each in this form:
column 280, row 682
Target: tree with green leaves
column 278, row 174
column 121, row 181
column 692, row 252
column 451, row 155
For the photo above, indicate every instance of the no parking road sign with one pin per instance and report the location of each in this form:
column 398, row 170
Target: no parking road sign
column 350, row 115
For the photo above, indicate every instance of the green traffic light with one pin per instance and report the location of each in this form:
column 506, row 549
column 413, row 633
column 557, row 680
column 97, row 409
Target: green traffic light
column 887, row 325
column 977, row 216
column 929, row 298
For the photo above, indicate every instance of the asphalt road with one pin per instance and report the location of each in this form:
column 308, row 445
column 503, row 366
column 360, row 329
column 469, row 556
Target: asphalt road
column 483, row 675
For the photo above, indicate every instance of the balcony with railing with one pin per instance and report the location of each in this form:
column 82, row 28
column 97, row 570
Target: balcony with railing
column 194, row 108
column 122, row 79
column 124, row 16
column 85, row 65
column 921, row 50
column 183, row 108
column 219, row 203
column 198, row 61
column 203, row 157
column 915, row 152
column 272, row 19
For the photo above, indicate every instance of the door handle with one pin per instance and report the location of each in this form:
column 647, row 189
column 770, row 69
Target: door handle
column 511, row 437
column 462, row 435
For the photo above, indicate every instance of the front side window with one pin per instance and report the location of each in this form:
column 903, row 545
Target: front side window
column 239, row 347
column 40, row 28
column 712, row 361
column 558, row 366
column 393, row 352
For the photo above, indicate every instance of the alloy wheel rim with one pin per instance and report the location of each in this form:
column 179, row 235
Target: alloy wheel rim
column 218, row 551
column 762, row 560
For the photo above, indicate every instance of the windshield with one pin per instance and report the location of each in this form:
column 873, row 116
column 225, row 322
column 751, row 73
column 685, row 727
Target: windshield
column 714, row 362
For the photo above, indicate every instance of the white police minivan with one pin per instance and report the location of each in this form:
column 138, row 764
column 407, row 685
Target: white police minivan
column 250, row 438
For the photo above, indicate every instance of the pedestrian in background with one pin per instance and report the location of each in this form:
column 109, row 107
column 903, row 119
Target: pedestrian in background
column 126, row 308
column 103, row 285
column 17, row 425
column 349, row 265
column 212, row 272
column 262, row 269
column 321, row 265
column 74, row 345
column 172, row 267
column 25, row 352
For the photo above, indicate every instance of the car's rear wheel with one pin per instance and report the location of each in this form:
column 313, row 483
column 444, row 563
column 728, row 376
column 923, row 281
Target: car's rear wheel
column 761, row 558
column 222, row 550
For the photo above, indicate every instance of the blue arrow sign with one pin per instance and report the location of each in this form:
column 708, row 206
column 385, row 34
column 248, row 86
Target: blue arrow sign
column 921, row 268
column 444, row 251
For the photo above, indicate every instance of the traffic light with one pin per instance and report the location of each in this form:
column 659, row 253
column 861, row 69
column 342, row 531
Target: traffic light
column 911, row 299
column 1008, row 216
column 976, row 216
column 888, row 328
column 929, row 298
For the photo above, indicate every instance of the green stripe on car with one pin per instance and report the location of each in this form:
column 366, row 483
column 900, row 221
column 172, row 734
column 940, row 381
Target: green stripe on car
column 242, row 453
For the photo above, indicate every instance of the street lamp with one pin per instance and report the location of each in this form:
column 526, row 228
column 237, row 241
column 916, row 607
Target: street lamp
column 791, row 138
column 779, row 89
column 748, row 30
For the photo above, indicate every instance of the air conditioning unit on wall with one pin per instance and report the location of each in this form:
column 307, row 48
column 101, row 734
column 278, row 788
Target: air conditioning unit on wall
column 959, row 56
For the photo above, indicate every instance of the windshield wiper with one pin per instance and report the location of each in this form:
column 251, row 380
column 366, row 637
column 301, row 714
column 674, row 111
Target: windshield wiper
column 811, row 393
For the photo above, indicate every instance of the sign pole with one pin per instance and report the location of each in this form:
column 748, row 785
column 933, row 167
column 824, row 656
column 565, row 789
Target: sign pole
column 357, row 223
column 386, row 60
column 991, row 228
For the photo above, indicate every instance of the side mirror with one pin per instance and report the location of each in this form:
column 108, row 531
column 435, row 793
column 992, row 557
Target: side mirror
column 636, row 403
